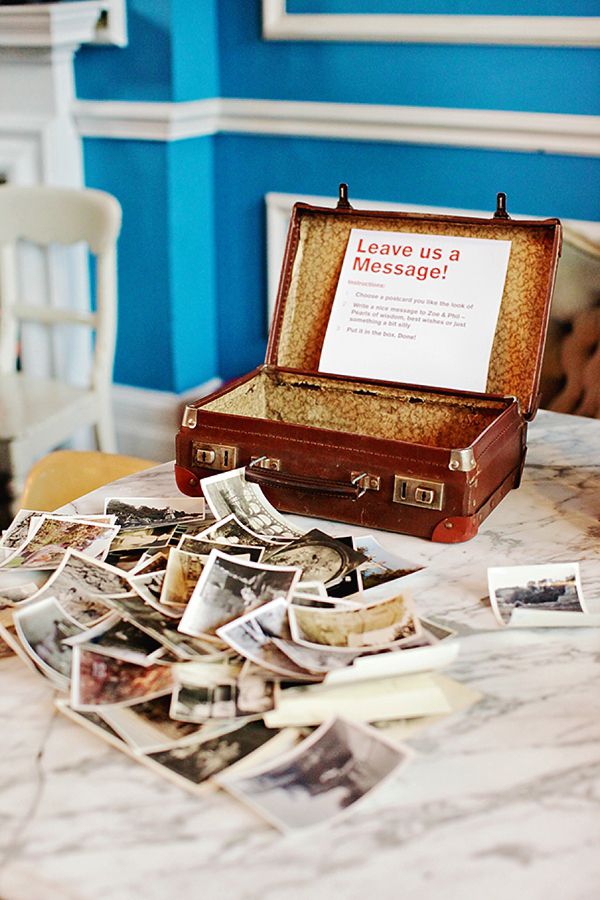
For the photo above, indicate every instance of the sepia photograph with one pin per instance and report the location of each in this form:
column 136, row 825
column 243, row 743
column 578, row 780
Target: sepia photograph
column 42, row 628
column 230, row 587
column 543, row 588
column 231, row 531
column 391, row 621
column 101, row 680
column 229, row 492
column 181, row 577
column 322, row 778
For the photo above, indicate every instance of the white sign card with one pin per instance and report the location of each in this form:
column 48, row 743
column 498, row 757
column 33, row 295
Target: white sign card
column 416, row 308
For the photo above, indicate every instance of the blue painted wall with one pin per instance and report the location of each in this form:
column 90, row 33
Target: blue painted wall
column 192, row 253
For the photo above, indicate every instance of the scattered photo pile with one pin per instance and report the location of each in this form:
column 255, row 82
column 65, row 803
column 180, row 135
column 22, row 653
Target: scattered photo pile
column 198, row 637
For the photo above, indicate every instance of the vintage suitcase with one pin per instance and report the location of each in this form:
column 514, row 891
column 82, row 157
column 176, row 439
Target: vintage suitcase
column 399, row 457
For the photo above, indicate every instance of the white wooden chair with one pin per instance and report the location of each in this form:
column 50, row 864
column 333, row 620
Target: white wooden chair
column 38, row 414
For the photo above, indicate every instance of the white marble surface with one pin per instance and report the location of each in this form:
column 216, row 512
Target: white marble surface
column 501, row 801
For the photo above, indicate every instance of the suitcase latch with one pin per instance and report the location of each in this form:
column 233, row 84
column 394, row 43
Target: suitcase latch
column 416, row 492
column 214, row 456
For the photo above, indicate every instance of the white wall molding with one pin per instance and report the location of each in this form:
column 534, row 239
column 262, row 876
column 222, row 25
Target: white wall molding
column 64, row 24
column 132, row 120
column 494, row 129
column 556, row 31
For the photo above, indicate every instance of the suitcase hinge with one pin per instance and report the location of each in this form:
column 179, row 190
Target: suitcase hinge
column 190, row 417
column 265, row 462
column 462, row 460
column 365, row 481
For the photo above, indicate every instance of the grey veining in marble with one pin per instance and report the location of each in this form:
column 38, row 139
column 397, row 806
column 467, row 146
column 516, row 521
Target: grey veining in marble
column 501, row 801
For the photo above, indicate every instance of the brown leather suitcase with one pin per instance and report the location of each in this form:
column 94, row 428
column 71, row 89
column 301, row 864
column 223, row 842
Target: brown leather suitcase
column 424, row 461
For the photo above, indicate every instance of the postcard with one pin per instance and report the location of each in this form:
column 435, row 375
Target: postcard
column 542, row 590
column 320, row 779
column 136, row 512
column 101, row 680
column 46, row 547
column 229, row 492
column 230, row 587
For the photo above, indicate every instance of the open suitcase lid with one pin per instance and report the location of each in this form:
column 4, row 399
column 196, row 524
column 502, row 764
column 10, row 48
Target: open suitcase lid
column 315, row 250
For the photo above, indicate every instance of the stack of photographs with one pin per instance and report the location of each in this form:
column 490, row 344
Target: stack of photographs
column 176, row 630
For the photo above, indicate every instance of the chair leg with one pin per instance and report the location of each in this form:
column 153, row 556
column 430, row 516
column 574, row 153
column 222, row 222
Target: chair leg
column 105, row 431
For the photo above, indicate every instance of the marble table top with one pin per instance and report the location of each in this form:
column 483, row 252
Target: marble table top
column 501, row 800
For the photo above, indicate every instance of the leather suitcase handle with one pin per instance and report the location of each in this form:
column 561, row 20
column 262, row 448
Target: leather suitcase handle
column 272, row 478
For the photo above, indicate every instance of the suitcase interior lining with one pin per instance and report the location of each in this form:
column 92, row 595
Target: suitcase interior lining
column 309, row 291
column 422, row 417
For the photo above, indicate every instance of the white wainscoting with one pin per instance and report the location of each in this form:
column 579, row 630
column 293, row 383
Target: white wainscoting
column 556, row 31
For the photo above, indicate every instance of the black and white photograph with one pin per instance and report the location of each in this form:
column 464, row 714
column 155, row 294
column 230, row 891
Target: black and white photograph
column 46, row 547
column 320, row 779
column 204, row 691
column 320, row 557
column 382, row 565
column 101, row 680
column 191, row 764
column 199, row 545
column 231, row 531
column 42, row 627
column 138, row 540
column 392, row 621
column 80, row 582
column 136, row 512
column 118, row 638
column 547, row 588
column 147, row 727
column 252, row 636
column 149, row 586
column 229, row 492
column 229, row 587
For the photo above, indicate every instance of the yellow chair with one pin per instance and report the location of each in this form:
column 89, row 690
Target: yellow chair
column 64, row 475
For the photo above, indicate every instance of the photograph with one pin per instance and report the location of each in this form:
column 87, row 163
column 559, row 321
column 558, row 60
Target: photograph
column 320, row 557
column 190, row 765
column 137, row 540
column 149, row 586
column 181, row 577
column 47, row 546
column 204, row 691
column 80, row 582
column 230, row 587
column 546, row 588
column 135, row 512
column 392, row 621
column 229, row 492
column 118, row 638
column 147, row 727
column 382, row 565
column 155, row 623
column 101, row 680
column 197, row 544
column 321, row 778
column 42, row 628
column 253, row 637
column 231, row 531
